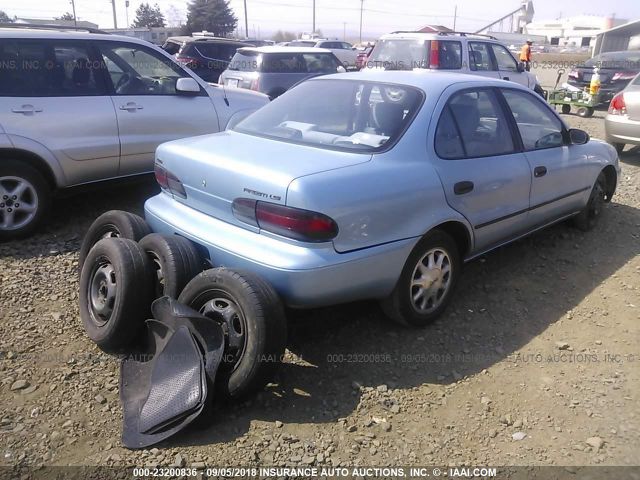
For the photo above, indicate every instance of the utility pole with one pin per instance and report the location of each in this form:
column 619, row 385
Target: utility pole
column 73, row 6
column 246, row 21
column 314, row 17
column 455, row 16
column 344, row 31
column 361, row 8
column 115, row 19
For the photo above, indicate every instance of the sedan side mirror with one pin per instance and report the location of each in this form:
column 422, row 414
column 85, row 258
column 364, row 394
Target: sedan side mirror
column 187, row 86
column 578, row 137
column 341, row 69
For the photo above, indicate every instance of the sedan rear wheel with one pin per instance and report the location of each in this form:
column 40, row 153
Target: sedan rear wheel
column 427, row 281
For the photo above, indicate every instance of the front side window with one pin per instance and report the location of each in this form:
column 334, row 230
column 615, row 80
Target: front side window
column 349, row 115
column 48, row 69
column 135, row 70
column 505, row 60
column 480, row 125
column 538, row 127
column 480, row 57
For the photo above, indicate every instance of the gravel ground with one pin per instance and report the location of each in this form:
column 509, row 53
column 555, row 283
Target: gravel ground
column 535, row 363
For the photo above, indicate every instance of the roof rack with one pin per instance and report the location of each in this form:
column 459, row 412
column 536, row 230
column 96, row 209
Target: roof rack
column 462, row 34
column 51, row 27
column 468, row 34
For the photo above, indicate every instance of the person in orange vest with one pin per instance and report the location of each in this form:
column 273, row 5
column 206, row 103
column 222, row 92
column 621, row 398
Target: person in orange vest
column 525, row 55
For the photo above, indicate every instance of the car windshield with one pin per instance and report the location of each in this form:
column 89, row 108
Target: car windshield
column 349, row 115
column 621, row 60
column 399, row 54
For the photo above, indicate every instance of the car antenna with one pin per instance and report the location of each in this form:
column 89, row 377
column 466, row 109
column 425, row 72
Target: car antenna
column 224, row 93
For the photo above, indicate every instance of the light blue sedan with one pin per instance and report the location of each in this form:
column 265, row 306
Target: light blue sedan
column 379, row 185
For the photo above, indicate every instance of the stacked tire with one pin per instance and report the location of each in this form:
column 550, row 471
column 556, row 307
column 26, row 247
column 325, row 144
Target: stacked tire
column 124, row 267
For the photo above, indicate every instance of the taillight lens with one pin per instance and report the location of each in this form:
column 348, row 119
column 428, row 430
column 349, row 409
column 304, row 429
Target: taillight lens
column 168, row 181
column 434, row 55
column 255, row 84
column 623, row 76
column 188, row 62
column 290, row 222
column 617, row 105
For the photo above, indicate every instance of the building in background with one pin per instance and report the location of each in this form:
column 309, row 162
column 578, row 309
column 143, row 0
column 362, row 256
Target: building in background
column 156, row 35
column 62, row 23
column 578, row 31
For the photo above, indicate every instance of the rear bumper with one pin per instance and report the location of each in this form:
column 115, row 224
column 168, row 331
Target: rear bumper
column 620, row 129
column 304, row 275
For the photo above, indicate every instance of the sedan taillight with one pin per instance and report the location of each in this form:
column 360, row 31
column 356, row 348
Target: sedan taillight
column 168, row 181
column 623, row 76
column 290, row 222
column 617, row 105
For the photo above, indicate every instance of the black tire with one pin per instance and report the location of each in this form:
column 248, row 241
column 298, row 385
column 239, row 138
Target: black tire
column 588, row 218
column 175, row 261
column 566, row 109
column 257, row 307
column 114, row 223
column 113, row 317
column 585, row 112
column 16, row 175
column 619, row 147
column 400, row 305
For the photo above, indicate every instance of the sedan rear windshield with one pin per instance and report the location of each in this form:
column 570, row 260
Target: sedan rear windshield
column 615, row 60
column 294, row 62
column 348, row 115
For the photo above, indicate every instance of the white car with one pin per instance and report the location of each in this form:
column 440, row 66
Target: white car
column 81, row 107
column 470, row 53
column 344, row 51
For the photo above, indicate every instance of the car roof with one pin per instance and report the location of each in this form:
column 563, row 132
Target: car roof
column 285, row 49
column 427, row 80
column 438, row 35
column 34, row 33
column 188, row 39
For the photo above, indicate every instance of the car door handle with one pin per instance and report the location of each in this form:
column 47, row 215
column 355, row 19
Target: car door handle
column 26, row 109
column 461, row 188
column 539, row 172
column 131, row 106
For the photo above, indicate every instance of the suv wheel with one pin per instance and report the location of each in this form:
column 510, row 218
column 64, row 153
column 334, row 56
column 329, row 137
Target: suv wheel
column 24, row 199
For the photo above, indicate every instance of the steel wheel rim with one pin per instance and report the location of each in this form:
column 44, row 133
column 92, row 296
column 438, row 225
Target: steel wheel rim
column 431, row 280
column 18, row 202
column 160, row 280
column 102, row 292
column 220, row 307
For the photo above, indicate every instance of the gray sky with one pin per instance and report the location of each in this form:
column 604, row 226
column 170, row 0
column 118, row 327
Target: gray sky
column 335, row 16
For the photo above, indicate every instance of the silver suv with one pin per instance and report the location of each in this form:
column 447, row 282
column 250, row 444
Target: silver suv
column 80, row 107
column 461, row 52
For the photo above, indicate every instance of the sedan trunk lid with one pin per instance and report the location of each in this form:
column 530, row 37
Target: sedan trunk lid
column 216, row 169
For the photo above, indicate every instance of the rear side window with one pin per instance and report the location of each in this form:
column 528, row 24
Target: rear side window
column 171, row 48
column 283, row 63
column 320, row 63
column 407, row 54
column 49, row 69
column 245, row 62
column 215, row 51
column 480, row 57
column 480, row 126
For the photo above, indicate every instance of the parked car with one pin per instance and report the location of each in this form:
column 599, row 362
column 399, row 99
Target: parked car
column 460, row 52
column 380, row 187
column 79, row 107
column 273, row 70
column 206, row 56
column 345, row 52
column 622, row 123
column 363, row 57
column 616, row 69
column 258, row 43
